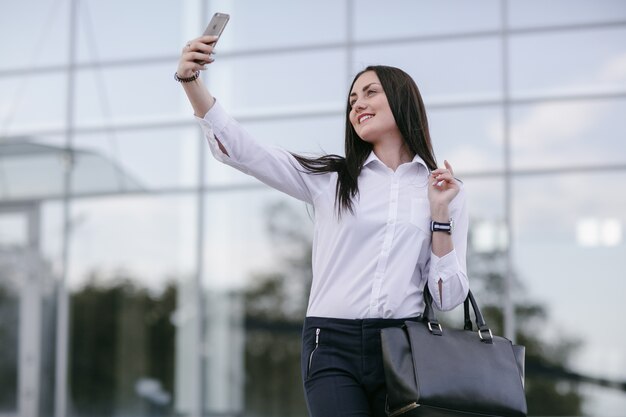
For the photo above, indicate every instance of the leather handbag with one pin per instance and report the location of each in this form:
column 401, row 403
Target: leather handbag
column 436, row 372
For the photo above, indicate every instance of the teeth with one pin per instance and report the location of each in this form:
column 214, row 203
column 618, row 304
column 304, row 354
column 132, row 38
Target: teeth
column 369, row 116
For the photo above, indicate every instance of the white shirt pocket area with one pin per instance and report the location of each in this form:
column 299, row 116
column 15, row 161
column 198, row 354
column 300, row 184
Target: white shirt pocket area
column 420, row 214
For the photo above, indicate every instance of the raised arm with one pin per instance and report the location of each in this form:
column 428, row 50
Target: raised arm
column 229, row 142
column 196, row 55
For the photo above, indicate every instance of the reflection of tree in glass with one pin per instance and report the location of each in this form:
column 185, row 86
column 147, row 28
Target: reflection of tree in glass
column 121, row 335
column 275, row 304
column 274, row 321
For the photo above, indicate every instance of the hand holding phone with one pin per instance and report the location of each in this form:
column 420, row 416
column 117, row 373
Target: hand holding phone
column 215, row 28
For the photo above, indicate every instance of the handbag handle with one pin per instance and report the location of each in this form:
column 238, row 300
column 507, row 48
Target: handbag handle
column 435, row 327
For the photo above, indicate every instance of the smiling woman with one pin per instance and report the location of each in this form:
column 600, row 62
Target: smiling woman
column 375, row 249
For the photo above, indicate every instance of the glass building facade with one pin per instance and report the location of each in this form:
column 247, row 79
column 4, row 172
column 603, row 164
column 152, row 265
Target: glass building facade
column 139, row 277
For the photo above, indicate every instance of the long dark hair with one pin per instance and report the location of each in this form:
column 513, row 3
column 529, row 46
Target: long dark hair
column 409, row 113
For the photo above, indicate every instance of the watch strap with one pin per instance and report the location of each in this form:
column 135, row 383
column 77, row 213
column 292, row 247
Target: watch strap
column 441, row 227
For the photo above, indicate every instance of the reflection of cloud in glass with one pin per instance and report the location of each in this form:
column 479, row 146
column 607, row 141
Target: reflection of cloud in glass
column 558, row 124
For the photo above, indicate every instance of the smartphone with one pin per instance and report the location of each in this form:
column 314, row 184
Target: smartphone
column 217, row 24
column 215, row 28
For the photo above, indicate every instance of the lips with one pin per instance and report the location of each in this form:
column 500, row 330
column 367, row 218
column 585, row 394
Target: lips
column 365, row 116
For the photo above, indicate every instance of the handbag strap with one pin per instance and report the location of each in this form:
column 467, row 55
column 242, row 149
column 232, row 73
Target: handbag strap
column 435, row 327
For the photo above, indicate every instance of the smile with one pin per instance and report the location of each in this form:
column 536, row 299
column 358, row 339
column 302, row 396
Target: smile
column 364, row 117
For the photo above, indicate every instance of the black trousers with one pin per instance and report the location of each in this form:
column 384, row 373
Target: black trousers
column 342, row 366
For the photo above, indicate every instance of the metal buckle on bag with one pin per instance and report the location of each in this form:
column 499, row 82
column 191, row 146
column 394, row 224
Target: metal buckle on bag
column 430, row 327
column 481, row 335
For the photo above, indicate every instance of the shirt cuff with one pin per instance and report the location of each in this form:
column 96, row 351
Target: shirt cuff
column 213, row 125
column 217, row 117
column 445, row 267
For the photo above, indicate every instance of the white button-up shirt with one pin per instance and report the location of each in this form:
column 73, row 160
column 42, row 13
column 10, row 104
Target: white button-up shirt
column 370, row 264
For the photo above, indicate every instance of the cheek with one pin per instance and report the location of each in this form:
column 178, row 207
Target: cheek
column 353, row 120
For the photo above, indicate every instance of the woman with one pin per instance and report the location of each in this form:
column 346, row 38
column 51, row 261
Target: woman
column 388, row 222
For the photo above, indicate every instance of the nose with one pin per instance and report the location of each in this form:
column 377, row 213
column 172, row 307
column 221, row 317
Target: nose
column 359, row 105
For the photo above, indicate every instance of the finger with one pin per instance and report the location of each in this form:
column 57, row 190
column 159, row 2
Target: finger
column 208, row 39
column 197, row 57
column 203, row 47
column 447, row 164
column 438, row 171
column 445, row 176
column 442, row 181
column 197, row 46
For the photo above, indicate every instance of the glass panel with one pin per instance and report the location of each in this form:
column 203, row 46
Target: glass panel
column 469, row 138
column 149, row 238
column 32, row 103
column 258, row 245
column 13, row 229
column 280, row 82
column 280, row 23
column 34, row 33
column 140, row 159
column 550, row 135
column 525, row 13
column 238, row 234
column 375, row 19
column 31, row 170
column 104, row 163
column 142, row 28
column 568, row 63
column 435, row 66
column 568, row 251
column 127, row 93
column 128, row 258
column 310, row 136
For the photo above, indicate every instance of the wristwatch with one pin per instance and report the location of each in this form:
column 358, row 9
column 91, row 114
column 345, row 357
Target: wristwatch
column 442, row 227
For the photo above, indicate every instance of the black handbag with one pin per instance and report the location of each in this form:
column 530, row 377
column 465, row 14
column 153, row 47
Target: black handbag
column 435, row 372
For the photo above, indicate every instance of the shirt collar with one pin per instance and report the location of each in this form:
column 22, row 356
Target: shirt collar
column 416, row 159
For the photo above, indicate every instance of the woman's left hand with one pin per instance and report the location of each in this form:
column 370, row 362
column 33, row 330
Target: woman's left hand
column 442, row 187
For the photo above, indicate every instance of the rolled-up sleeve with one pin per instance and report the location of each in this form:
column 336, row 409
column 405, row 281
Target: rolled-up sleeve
column 451, row 269
column 273, row 166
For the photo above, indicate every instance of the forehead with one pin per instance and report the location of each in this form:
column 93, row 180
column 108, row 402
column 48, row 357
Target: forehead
column 363, row 80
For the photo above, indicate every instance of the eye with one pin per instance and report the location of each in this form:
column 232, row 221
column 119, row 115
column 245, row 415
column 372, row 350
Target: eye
column 352, row 103
column 371, row 92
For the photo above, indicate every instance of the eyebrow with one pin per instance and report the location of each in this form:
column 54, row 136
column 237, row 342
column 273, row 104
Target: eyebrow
column 364, row 88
